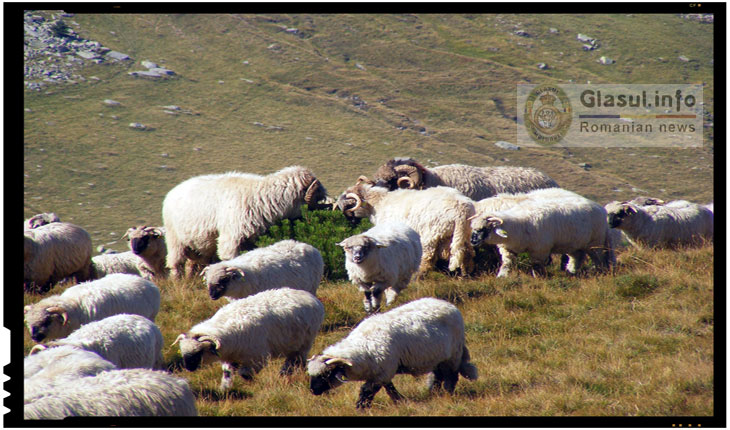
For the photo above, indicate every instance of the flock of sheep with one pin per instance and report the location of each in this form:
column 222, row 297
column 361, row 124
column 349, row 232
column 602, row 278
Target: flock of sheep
column 102, row 351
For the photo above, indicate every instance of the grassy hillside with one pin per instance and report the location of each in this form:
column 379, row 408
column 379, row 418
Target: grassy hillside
column 343, row 94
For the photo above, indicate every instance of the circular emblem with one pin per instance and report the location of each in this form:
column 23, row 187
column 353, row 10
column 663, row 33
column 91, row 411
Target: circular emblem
column 547, row 114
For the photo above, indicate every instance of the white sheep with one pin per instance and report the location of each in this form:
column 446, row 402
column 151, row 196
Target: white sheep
column 382, row 259
column 245, row 333
column 145, row 258
column 53, row 252
column 116, row 393
column 57, row 316
column 426, row 335
column 287, row 263
column 222, row 214
column 439, row 215
column 474, row 182
column 128, row 341
column 671, row 224
column 39, row 220
column 545, row 222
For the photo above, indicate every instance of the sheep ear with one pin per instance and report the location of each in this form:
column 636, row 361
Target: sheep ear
column 182, row 336
column 26, row 309
column 475, row 216
column 341, row 244
column 501, row 233
column 340, row 375
column 379, row 244
column 630, row 208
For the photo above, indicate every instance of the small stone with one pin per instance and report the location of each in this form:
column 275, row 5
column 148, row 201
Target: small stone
column 110, row 102
column 360, row 66
column 89, row 55
column 553, row 30
column 506, row 145
column 683, row 58
column 149, row 64
column 137, row 126
column 522, row 33
column 542, row 66
column 606, row 60
column 585, row 166
column 118, row 56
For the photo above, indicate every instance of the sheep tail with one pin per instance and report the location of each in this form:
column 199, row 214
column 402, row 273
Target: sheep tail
column 466, row 369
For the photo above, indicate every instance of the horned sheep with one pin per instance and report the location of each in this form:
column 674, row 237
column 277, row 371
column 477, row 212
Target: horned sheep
column 222, row 214
column 545, row 222
column 245, row 333
column 476, row 183
column 126, row 340
column 426, row 335
column 57, row 316
column 674, row 223
column 146, row 257
column 118, row 393
column 287, row 263
column 439, row 215
column 40, row 220
column 382, row 259
column 53, row 252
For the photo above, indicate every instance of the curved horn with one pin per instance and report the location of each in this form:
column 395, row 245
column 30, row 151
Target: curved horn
column 475, row 216
column 337, row 360
column 179, row 338
column 358, row 201
column 500, row 221
column 37, row 348
column 59, row 310
column 211, row 338
column 405, row 182
column 414, row 176
column 313, row 187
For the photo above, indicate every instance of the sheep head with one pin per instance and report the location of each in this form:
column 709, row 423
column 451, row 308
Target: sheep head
column 400, row 173
column 483, row 226
column 327, row 372
column 219, row 278
column 46, row 322
column 141, row 237
column 358, row 247
column 315, row 193
column 353, row 202
column 618, row 213
column 197, row 348
column 647, row 201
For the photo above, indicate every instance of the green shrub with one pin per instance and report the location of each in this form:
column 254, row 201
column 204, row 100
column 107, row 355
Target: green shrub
column 323, row 230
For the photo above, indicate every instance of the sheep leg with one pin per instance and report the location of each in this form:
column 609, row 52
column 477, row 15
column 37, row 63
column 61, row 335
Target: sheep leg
column 176, row 263
column 575, row 260
column 508, row 259
column 291, row 363
column 377, row 296
column 390, row 295
column 367, row 394
column 601, row 258
column 227, row 379
column 394, row 395
column 427, row 257
column 443, row 374
column 434, row 381
column 538, row 269
column 366, row 302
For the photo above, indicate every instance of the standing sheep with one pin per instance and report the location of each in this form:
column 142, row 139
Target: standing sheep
column 245, row 333
column 671, row 224
column 221, row 214
column 439, row 215
column 145, row 258
column 287, row 263
column 59, row 315
column 116, row 393
column 383, row 258
column 40, row 219
column 546, row 222
column 53, row 252
column 128, row 341
column 423, row 336
column 474, row 182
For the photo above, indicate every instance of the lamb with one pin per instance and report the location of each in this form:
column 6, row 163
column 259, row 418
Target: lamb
column 476, row 183
column 245, row 333
column 383, row 258
column 545, row 222
column 40, row 219
column 222, row 214
column 145, row 258
column 53, row 252
column 426, row 335
column 118, row 393
column 675, row 223
column 287, row 263
column 439, row 215
column 57, row 316
column 128, row 341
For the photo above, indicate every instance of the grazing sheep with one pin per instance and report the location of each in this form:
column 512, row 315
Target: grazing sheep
column 287, row 263
column 53, row 252
column 545, row 222
column 423, row 336
column 40, row 219
column 439, row 215
column 674, row 223
column 383, row 258
column 59, row 315
column 474, row 182
column 145, row 258
column 245, row 333
column 116, row 393
column 128, row 341
column 222, row 214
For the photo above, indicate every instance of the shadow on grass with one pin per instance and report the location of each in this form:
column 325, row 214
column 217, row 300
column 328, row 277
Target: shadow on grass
column 216, row 396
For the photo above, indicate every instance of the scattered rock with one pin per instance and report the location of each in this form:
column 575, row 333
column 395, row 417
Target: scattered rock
column 606, row 60
column 554, row 30
column 585, row 166
column 506, row 145
column 587, row 39
column 588, row 47
column 137, row 126
column 522, row 33
column 88, row 55
column 149, row 64
column 118, row 56
column 360, row 66
column 542, row 66
column 683, row 58
column 113, row 103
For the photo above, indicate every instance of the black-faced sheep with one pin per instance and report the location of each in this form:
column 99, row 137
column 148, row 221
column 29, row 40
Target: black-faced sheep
column 439, row 215
column 382, row 259
column 245, row 333
column 220, row 215
column 59, row 315
column 53, row 252
column 286, row 263
column 145, row 258
column 474, row 182
column 671, row 224
column 423, row 336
